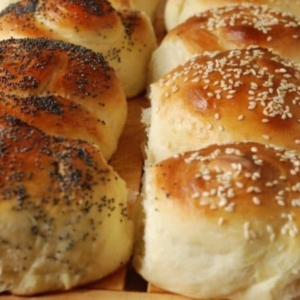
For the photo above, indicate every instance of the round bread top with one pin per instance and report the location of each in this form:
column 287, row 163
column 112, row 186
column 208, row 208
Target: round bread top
column 177, row 11
column 86, row 15
column 226, row 28
column 221, row 97
column 240, row 183
column 60, row 202
column 43, row 170
column 124, row 38
column 62, row 89
column 239, row 26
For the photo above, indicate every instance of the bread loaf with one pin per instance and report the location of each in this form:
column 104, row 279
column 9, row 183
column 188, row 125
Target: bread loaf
column 226, row 28
column 62, row 89
column 63, row 209
column 126, row 38
column 63, row 212
column 223, row 223
column 177, row 11
column 222, row 97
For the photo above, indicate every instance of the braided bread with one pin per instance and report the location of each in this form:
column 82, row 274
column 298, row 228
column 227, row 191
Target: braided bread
column 63, row 209
column 126, row 39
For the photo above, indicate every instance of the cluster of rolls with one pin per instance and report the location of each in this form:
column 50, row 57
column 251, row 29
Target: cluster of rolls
column 219, row 216
column 66, row 71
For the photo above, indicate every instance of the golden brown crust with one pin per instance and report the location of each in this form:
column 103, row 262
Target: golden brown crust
column 123, row 38
column 237, row 95
column 62, row 89
column 59, row 202
column 227, row 218
column 30, row 161
column 80, row 15
column 240, row 26
column 249, row 179
column 226, row 28
column 177, row 11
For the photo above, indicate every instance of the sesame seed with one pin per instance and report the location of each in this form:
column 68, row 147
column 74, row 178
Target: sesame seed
column 256, row 200
column 196, row 195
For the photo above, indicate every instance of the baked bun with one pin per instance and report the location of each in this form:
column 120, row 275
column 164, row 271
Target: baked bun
column 223, row 223
column 126, row 39
column 225, row 28
column 177, row 11
column 63, row 212
column 223, row 97
column 149, row 7
column 64, row 90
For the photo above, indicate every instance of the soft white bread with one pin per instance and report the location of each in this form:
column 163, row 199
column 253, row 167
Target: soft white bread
column 237, row 95
column 177, row 11
column 225, row 28
column 63, row 90
column 223, row 223
column 126, row 38
column 149, row 7
column 63, row 212
column 5, row 3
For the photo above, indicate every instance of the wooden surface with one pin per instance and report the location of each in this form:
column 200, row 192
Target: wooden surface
column 128, row 160
column 103, row 295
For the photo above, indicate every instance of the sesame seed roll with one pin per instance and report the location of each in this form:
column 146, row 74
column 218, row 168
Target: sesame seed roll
column 226, row 28
column 222, row 97
column 222, row 223
column 177, row 11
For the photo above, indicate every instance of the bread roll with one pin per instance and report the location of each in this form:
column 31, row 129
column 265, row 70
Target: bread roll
column 62, row 89
column 223, row 223
column 126, row 39
column 63, row 212
column 177, row 11
column 225, row 28
column 222, row 97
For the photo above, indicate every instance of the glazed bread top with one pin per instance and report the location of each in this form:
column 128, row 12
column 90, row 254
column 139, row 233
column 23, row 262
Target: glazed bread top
column 221, row 97
column 60, row 203
column 225, row 28
column 177, row 11
column 227, row 219
column 126, row 38
column 62, row 89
